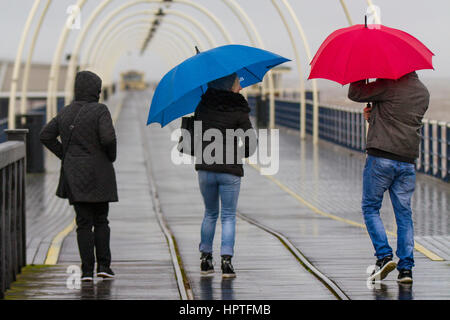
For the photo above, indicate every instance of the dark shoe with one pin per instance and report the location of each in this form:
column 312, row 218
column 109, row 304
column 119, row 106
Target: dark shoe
column 105, row 272
column 227, row 267
column 87, row 276
column 382, row 268
column 405, row 276
column 206, row 266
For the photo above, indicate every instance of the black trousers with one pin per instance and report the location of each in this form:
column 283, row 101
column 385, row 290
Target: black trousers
column 93, row 234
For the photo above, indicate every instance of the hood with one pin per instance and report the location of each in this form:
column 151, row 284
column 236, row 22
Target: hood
column 224, row 101
column 87, row 86
column 225, row 83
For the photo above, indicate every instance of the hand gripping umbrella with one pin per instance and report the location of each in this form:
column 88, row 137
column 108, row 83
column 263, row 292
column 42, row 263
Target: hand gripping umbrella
column 180, row 90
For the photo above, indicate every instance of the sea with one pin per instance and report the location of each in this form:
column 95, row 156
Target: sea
column 335, row 94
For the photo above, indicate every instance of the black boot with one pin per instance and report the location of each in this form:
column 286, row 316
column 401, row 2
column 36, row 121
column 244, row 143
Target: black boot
column 227, row 267
column 206, row 266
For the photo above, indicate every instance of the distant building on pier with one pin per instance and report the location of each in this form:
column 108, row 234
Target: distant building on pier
column 132, row 80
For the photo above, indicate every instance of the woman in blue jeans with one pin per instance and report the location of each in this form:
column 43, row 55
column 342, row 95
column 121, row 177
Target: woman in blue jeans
column 222, row 111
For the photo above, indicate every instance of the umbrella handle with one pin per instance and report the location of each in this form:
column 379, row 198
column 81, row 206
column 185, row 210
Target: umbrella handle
column 369, row 105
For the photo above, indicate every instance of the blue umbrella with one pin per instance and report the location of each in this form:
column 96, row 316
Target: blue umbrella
column 180, row 90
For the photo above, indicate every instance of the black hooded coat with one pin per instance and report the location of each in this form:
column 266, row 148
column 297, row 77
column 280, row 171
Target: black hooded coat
column 87, row 173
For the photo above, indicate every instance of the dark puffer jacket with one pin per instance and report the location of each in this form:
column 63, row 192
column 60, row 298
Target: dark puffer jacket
column 224, row 110
column 87, row 173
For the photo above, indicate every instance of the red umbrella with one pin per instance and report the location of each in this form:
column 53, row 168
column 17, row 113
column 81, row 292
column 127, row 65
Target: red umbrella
column 360, row 52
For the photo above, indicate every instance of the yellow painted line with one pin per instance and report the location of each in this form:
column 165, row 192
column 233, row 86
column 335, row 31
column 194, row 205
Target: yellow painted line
column 431, row 255
column 55, row 246
column 428, row 253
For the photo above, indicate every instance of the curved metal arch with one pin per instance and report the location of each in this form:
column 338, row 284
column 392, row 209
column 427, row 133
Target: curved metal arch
column 112, row 27
column 347, row 13
column 299, row 70
column 81, row 3
column 108, row 47
column 90, row 48
column 54, row 69
column 171, row 54
column 136, row 2
column 123, row 42
column 209, row 37
column 246, row 21
column 256, row 39
column 108, row 42
column 136, row 24
column 174, row 33
column 70, row 75
column 17, row 63
column 193, row 35
column 209, row 14
column 104, row 40
column 108, row 34
column 54, row 72
column 79, row 41
column 171, row 11
column 302, row 87
column 26, row 72
column 113, row 43
column 167, row 56
column 124, row 30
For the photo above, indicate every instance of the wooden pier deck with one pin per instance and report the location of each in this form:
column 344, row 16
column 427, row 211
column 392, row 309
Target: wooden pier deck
column 311, row 203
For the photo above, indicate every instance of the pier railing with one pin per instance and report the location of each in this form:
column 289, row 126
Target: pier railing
column 12, row 207
column 346, row 127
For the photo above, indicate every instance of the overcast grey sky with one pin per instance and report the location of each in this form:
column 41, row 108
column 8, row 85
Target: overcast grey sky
column 429, row 21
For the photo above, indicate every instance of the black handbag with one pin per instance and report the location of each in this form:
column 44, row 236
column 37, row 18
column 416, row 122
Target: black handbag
column 186, row 142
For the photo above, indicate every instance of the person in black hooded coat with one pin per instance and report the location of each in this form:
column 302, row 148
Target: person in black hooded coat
column 87, row 177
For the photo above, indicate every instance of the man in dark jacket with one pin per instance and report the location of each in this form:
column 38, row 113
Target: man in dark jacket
column 393, row 139
column 222, row 110
column 87, row 179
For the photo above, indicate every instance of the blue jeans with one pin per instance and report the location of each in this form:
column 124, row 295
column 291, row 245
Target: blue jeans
column 399, row 178
column 226, row 187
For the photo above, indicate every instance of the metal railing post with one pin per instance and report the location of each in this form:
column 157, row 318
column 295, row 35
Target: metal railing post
column 12, row 207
